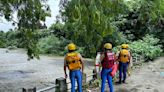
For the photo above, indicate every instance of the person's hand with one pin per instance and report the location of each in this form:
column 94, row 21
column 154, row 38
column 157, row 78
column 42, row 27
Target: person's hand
column 82, row 71
column 66, row 76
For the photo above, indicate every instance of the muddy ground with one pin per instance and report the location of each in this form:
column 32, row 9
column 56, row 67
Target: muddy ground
column 149, row 77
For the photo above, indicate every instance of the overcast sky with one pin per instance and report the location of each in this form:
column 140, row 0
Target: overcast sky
column 54, row 6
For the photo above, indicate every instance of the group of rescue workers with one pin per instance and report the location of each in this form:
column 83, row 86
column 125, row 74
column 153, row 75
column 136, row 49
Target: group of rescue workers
column 109, row 61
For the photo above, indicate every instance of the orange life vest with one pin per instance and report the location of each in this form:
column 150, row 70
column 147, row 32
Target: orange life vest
column 73, row 61
column 124, row 56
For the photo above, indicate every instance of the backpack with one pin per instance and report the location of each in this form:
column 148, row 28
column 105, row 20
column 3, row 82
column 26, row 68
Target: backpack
column 108, row 60
column 73, row 61
column 124, row 56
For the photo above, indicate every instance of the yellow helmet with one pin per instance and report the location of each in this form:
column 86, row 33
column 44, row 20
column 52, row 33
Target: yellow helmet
column 108, row 46
column 124, row 46
column 71, row 46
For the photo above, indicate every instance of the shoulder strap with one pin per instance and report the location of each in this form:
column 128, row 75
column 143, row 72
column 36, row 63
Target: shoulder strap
column 72, row 54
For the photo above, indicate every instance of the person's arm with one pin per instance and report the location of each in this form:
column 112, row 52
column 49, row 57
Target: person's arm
column 130, row 59
column 82, row 63
column 65, row 66
column 102, row 57
column 117, row 56
column 129, row 56
column 97, row 62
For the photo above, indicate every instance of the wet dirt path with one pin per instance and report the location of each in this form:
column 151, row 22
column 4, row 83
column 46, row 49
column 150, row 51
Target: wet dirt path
column 147, row 78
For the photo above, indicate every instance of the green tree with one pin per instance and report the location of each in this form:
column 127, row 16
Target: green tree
column 145, row 16
column 30, row 14
column 58, row 29
column 89, row 22
column 52, row 45
column 2, row 39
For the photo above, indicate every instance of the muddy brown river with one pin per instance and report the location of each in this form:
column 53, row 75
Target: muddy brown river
column 16, row 72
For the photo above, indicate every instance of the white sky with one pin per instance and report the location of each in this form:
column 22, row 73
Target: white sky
column 54, row 6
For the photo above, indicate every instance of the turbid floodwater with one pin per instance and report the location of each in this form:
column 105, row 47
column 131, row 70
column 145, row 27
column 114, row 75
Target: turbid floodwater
column 16, row 72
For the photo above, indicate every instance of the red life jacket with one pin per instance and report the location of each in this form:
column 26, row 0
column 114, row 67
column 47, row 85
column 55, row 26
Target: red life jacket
column 108, row 60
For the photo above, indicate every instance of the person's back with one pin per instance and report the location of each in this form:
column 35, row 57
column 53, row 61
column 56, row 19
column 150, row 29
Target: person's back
column 124, row 59
column 124, row 55
column 74, row 62
column 107, row 62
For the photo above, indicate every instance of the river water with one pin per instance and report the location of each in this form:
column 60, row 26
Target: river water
column 16, row 72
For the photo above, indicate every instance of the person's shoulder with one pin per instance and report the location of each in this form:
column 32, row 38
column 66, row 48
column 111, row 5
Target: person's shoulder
column 77, row 53
column 102, row 55
column 65, row 54
column 120, row 51
column 130, row 51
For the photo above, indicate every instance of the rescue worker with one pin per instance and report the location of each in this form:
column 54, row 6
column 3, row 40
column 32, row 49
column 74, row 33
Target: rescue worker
column 124, row 60
column 97, row 62
column 74, row 62
column 107, row 59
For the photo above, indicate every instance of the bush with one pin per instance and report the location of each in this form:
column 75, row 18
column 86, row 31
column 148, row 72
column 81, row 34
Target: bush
column 52, row 45
column 147, row 47
column 2, row 44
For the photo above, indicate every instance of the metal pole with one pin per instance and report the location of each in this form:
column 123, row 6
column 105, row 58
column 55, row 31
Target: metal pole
column 62, row 85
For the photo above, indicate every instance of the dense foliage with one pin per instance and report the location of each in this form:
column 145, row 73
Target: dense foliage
column 146, row 47
column 10, row 38
column 92, row 23
column 144, row 17
column 52, row 45
column 30, row 14
column 87, row 23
